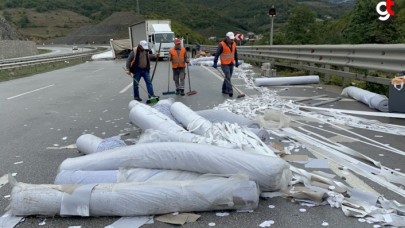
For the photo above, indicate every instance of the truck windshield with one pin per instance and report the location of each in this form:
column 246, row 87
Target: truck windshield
column 164, row 37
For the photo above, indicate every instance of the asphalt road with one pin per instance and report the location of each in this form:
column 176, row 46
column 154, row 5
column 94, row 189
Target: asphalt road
column 44, row 112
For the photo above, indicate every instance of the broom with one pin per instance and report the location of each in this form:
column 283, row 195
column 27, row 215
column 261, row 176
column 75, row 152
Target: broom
column 237, row 90
column 151, row 99
column 190, row 92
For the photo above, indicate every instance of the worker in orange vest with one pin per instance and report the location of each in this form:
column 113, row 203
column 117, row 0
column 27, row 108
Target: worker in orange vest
column 229, row 58
column 178, row 57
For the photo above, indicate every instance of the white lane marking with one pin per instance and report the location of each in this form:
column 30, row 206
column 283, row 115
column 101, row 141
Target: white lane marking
column 126, row 88
column 97, row 70
column 22, row 94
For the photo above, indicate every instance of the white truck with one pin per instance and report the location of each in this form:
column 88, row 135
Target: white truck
column 156, row 32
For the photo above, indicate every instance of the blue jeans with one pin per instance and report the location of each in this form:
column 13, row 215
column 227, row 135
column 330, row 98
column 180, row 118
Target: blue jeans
column 227, row 86
column 145, row 75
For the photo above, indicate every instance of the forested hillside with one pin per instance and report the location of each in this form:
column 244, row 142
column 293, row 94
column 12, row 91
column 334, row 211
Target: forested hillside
column 296, row 22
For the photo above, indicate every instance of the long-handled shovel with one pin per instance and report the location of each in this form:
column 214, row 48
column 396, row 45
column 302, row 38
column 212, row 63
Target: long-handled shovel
column 168, row 83
column 151, row 99
column 235, row 88
column 190, row 92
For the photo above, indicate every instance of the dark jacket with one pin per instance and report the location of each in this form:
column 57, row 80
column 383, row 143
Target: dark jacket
column 135, row 61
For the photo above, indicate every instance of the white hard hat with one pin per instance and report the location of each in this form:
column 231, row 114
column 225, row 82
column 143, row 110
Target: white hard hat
column 144, row 44
column 230, row 35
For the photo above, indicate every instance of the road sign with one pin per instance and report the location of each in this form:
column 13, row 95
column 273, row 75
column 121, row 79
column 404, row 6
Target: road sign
column 238, row 36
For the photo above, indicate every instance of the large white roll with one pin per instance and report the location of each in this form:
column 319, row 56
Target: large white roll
column 278, row 81
column 271, row 173
column 123, row 175
column 189, row 119
column 373, row 100
column 135, row 199
column 88, row 143
column 146, row 117
column 87, row 177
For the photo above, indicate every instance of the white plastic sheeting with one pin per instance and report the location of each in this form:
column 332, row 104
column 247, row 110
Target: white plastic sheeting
column 278, row 81
column 123, row 175
column 373, row 100
column 108, row 55
column 271, row 173
column 134, row 199
column 216, row 116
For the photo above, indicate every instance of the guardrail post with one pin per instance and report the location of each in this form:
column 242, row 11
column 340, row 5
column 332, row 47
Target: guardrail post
column 327, row 74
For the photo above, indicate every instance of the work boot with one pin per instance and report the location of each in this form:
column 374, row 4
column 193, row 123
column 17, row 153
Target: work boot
column 182, row 92
column 231, row 95
column 177, row 92
column 137, row 99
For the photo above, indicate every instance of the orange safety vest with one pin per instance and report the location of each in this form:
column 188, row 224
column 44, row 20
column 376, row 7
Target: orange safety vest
column 228, row 55
column 178, row 61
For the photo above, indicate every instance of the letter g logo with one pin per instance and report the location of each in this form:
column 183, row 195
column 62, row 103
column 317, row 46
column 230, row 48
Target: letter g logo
column 384, row 15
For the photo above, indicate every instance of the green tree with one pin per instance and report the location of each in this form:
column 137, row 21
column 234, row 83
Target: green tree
column 24, row 21
column 301, row 27
column 364, row 27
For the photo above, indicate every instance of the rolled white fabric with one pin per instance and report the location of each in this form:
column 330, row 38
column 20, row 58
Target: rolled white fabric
column 87, row 177
column 123, row 175
column 373, row 100
column 277, row 81
column 134, row 199
column 88, row 143
column 271, row 173
column 146, row 117
column 189, row 119
column 219, row 116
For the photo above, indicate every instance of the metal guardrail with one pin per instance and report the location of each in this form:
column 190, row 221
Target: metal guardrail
column 337, row 60
column 9, row 64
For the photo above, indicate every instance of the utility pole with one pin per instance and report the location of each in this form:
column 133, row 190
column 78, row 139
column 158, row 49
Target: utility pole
column 137, row 6
column 272, row 14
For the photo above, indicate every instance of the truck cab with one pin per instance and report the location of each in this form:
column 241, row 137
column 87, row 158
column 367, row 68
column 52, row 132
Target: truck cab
column 158, row 33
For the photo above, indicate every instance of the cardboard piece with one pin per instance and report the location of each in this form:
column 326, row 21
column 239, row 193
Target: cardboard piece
column 178, row 219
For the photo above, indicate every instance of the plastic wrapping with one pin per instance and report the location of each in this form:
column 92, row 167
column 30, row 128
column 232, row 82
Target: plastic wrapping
column 271, row 173
column 219, row 116
column 189, row 119
column 277, row 81
column 135, row 199
column 123, row 175
column 373, row 100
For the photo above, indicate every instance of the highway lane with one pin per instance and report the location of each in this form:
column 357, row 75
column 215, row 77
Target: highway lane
column 51, row 110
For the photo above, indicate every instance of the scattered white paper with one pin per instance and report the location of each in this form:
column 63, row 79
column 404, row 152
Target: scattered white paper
column 308, row 204
column 64, row 138
column 376, row 226
column 378, row 136
column 325, row 224
column 3, row 180
column 7, row 196
column 303, row 210
column 267, row 223
column 42, row 223
column 381, row 155
column 271, row 206
column 211, row 224
column 387, row 218
column 222, row 214
column 362, row 220
column 16, row 163
column 14, row 174
column 75, row 227
column 55, row 144
column 360, row 195
column 244, row 211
